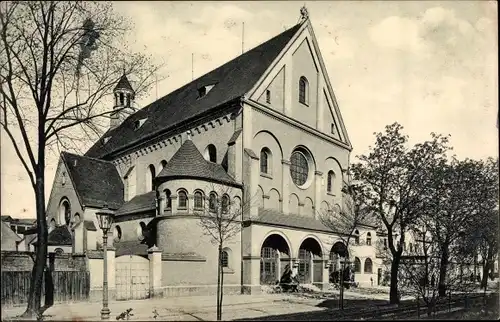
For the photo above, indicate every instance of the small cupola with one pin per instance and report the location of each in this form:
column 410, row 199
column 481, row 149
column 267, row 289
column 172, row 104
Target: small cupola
column 124, row 96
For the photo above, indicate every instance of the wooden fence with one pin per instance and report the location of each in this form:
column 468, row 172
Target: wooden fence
column 69, row 286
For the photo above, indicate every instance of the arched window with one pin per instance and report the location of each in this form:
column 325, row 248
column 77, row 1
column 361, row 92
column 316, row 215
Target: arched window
column 356, row 237
column 330, row 180
column 151, row 177
column 211, row 153
column 52, row 224
column 65, row 212
column 224, row 259
column 357, row 265
column 299, row 168
column 117, row 233
column 76, row 218
column 385, row 243
column 198, row 200
column 59, row 251
column 182, row 200
column 368, row 239
column 168, row 199
column 265, row 156
column 411, row 248
column 303, row 90
column 368, row 266
column 212, row 202
column 225, row 204
column 163, row 163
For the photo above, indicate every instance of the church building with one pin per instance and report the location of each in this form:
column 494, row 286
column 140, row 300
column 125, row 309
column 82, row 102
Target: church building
column 267, row 128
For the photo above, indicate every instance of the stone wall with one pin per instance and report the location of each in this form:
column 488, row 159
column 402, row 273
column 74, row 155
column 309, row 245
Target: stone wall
column 23, row 261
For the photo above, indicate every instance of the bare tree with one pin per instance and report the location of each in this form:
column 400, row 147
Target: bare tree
column 221, row 221
column 396, row 177
column 58, row 63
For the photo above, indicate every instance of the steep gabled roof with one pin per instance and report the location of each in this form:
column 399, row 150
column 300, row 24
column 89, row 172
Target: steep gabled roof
column 96, row 182
column 232, row 80
column 60, row 236
column 188, row 162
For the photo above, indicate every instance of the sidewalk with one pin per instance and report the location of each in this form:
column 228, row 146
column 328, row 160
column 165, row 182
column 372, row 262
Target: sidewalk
column 179, row 308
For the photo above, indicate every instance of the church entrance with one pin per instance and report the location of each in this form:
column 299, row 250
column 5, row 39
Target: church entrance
column 310, row 262
column 132, row 277
column 274, row 257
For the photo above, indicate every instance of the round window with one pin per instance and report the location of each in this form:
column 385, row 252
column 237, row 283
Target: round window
column 299, row 168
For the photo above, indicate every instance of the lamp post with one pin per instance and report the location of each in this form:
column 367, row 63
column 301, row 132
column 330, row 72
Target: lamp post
column 105, row 219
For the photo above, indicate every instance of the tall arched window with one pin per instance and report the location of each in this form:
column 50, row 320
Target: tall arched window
column 368, row 239
column 411, row 248
column 182, row 200
column 224, row 259
column 225, row 203
column 198, row 200
column 168, row 199
column 151, row 176
column 212, row 202
column 368, row 266
column 117, row 233
column 265, row 155
column 211, row 153
column 356, row 237
column 64, row 213
column 330, row 181
column 357, row 265
column 303, row 90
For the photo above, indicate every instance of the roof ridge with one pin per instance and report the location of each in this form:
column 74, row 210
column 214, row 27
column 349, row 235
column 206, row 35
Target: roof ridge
column 87, row 157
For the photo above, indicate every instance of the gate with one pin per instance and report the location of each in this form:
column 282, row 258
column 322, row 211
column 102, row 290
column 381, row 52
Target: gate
column 132, row 277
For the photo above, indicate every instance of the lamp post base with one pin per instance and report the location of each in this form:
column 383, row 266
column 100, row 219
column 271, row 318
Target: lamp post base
column 105, row 312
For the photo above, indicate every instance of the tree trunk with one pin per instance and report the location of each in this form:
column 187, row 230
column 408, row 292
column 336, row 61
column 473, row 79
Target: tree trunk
column 221, row 289
column 393, row 293
column 218, row 281
column 35, row 295
column 442, row 273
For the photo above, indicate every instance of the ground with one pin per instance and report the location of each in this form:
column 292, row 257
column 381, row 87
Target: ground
column 309, row 304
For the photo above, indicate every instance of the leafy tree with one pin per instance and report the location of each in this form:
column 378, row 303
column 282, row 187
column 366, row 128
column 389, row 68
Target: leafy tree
column 58, row 62
column 396, row 178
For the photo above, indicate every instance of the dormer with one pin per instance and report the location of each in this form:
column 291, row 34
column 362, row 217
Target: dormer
column 203, row 91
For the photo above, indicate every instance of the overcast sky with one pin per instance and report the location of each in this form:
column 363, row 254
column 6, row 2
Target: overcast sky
column 431, row 66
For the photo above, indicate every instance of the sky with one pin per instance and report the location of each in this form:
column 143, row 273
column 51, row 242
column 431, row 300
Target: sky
column 431, row 66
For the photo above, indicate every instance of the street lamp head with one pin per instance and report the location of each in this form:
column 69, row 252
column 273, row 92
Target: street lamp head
column 105, row 219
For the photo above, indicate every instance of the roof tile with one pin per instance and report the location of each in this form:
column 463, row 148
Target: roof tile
column 188, row 162
column 139, row 203
column 232, row 80
column 96, row 181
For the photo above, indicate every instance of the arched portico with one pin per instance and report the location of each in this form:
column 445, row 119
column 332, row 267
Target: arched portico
column 310, row 261
column 274, row 257
column 338, row 251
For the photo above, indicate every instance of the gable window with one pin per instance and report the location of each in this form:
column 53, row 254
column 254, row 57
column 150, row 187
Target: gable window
column 368, row 239
column 303, row 90
column 225, row 204
column 265, row 156
column 122, row 99
column 330, row 179
column 212, row 202
column 117, row 233
column 163, row 163
column 182, row 200
column 332, row 130
column 64, row 213
column 268, row 96
column 198, row 200
column 299, row 168
column 211, row 153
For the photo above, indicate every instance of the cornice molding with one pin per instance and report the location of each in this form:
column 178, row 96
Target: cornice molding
column 298, row 125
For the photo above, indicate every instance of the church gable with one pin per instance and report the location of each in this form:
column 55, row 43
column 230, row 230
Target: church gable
column 274, row 94
column 308, row 95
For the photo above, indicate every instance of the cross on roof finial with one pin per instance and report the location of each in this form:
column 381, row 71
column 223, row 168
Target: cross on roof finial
column 189, row 134
column 303, row 12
